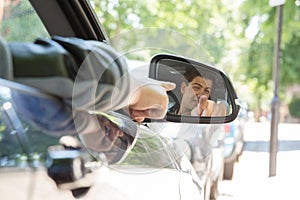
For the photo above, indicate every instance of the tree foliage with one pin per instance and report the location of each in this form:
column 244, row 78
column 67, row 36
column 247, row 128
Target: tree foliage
column 203, row 21
column 294, row 108
column 20, row 23
column 259, row 58
column 238, row 35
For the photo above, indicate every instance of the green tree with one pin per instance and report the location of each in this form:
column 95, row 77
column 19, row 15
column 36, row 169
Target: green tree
column 294, row 108
column 203, row 22
column 237, row 36
column 258, row 58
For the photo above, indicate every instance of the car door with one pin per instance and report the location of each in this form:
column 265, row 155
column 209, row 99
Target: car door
column 23, row 153
column 27, row 169
column 36, row 159
column 76, row 19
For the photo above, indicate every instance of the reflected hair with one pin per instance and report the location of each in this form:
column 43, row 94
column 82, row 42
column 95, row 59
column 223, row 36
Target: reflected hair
column 192, row 72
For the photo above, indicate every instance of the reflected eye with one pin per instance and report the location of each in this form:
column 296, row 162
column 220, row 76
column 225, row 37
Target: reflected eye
column 106, row 130
column 196, row 87
column 207, row 91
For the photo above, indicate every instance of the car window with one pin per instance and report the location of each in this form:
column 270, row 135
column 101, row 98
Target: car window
column 20, row 22
column 138, row 146
column 153, row 150
column 32, row 122
column 21, row 143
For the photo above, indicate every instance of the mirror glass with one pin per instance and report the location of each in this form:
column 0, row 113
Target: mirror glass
column 200, row 89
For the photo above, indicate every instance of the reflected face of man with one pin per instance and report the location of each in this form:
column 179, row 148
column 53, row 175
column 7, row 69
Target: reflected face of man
column 192, row 92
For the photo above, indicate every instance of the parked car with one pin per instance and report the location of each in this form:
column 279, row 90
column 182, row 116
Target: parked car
column 234, row 141
column 38, row 161
column 217, row 171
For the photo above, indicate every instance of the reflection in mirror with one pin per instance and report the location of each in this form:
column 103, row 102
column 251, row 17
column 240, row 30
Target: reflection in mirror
column 115, row 138
column 200, row 89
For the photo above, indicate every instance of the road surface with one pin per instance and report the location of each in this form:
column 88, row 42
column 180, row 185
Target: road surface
column 251, row 175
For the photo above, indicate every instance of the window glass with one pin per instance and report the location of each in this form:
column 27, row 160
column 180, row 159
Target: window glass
column 151, row 150
column 21, row 143
column 31, row 123
column 19, row 21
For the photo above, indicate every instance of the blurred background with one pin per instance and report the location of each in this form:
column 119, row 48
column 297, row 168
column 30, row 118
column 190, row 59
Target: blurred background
column 237, row 35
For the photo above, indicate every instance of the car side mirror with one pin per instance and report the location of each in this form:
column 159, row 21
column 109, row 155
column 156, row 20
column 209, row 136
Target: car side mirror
column 203, row 93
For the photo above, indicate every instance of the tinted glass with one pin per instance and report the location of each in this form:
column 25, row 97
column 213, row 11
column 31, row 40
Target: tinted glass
column 31, row 122
column 20, row 140
column 19, row 21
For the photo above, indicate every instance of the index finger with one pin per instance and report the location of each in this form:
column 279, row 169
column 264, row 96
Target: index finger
column 203, row 102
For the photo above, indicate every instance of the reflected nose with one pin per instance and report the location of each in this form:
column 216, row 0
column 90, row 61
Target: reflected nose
column 199, row 93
